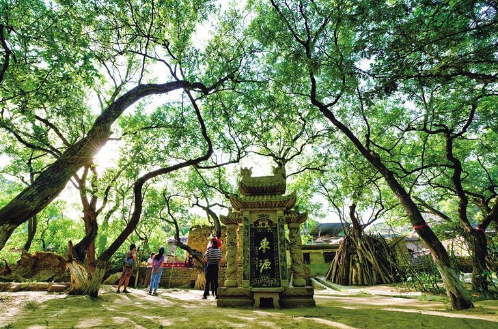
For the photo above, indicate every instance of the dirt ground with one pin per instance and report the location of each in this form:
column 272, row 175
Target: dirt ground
column 374, row 307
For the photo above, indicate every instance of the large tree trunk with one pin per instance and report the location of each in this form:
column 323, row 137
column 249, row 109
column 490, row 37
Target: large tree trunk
column 90, row 226
column 475, row 238
column 81, row 248
column 455, row 290
column 32, row 224
column 84, row 282
column 200, row 281
column 54, row 178
column 454, row 287
column 85, row 277
column 479, row 246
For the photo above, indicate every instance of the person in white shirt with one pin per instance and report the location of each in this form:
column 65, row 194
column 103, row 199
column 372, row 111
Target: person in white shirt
column 148, row 274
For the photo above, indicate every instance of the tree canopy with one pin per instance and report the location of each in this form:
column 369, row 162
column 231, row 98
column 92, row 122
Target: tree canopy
column 388, row 107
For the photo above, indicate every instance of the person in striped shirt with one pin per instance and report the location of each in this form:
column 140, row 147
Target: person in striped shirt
column 212, row 259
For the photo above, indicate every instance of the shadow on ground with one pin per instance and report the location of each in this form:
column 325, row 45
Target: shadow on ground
column 185, row 309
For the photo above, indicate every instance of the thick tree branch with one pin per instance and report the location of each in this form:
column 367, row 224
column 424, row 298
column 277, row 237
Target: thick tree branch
column 137, row 189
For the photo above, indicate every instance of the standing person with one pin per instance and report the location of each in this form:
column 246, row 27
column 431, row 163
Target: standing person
column 190, row 261
column 157, row 271
column 209, row 246
column 130, row 259
column 148, row 274
column 219, row 242
column 212, row 259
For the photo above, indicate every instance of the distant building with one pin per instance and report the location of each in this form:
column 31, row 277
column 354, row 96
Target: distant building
column 325, row 240
column 326, row 233
column 314, row 254
column 416, row 247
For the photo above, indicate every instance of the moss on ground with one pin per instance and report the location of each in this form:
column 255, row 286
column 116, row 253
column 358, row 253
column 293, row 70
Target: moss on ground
column 185, row 309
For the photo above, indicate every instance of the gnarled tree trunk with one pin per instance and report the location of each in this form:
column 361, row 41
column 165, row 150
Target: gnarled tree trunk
column 479, row 246
column 200, row 281
column 454, row 287
column 32, row 225
column 455, row 290
column 91, row 228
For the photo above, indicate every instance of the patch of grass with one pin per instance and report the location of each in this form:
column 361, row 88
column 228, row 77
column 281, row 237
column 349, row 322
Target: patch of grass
column 422, row 297
column 360, row 293
column 171, row 310
column 432, row 298
column 31, row 306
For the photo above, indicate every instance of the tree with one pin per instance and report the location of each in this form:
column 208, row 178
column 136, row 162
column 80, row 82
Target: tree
column 89, row 195
column 356, row 194
column 318, row 44
column 441, row 57
column 84, row 281
column 79, row 153
column 464, row 171
column 24, row 169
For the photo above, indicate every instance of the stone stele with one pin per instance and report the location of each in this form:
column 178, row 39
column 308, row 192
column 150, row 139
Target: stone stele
column 261, row 212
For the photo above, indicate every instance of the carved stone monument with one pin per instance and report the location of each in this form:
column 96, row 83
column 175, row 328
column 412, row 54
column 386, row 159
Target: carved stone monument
column 261, row 213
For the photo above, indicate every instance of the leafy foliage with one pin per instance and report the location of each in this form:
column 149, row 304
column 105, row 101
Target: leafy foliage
column 379, row 110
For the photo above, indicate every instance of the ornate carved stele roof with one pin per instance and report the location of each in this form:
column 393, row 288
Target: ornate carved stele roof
column 231, row 218
column 294, row 216
column 263, row 201
column 264, row 185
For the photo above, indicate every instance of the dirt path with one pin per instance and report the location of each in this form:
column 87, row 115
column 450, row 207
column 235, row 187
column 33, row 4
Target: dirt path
column 185, row 309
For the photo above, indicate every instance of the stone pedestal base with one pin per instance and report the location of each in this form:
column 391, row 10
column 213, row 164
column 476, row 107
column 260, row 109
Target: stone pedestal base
column 275, row 296
column 267, row 293
column 231, row 283
column 297, row 297
column 288, row 298
column 299, row 282
column 234, row 297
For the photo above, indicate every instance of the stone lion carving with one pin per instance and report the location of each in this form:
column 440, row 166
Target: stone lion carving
column 246, row 172
column 279, row 171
